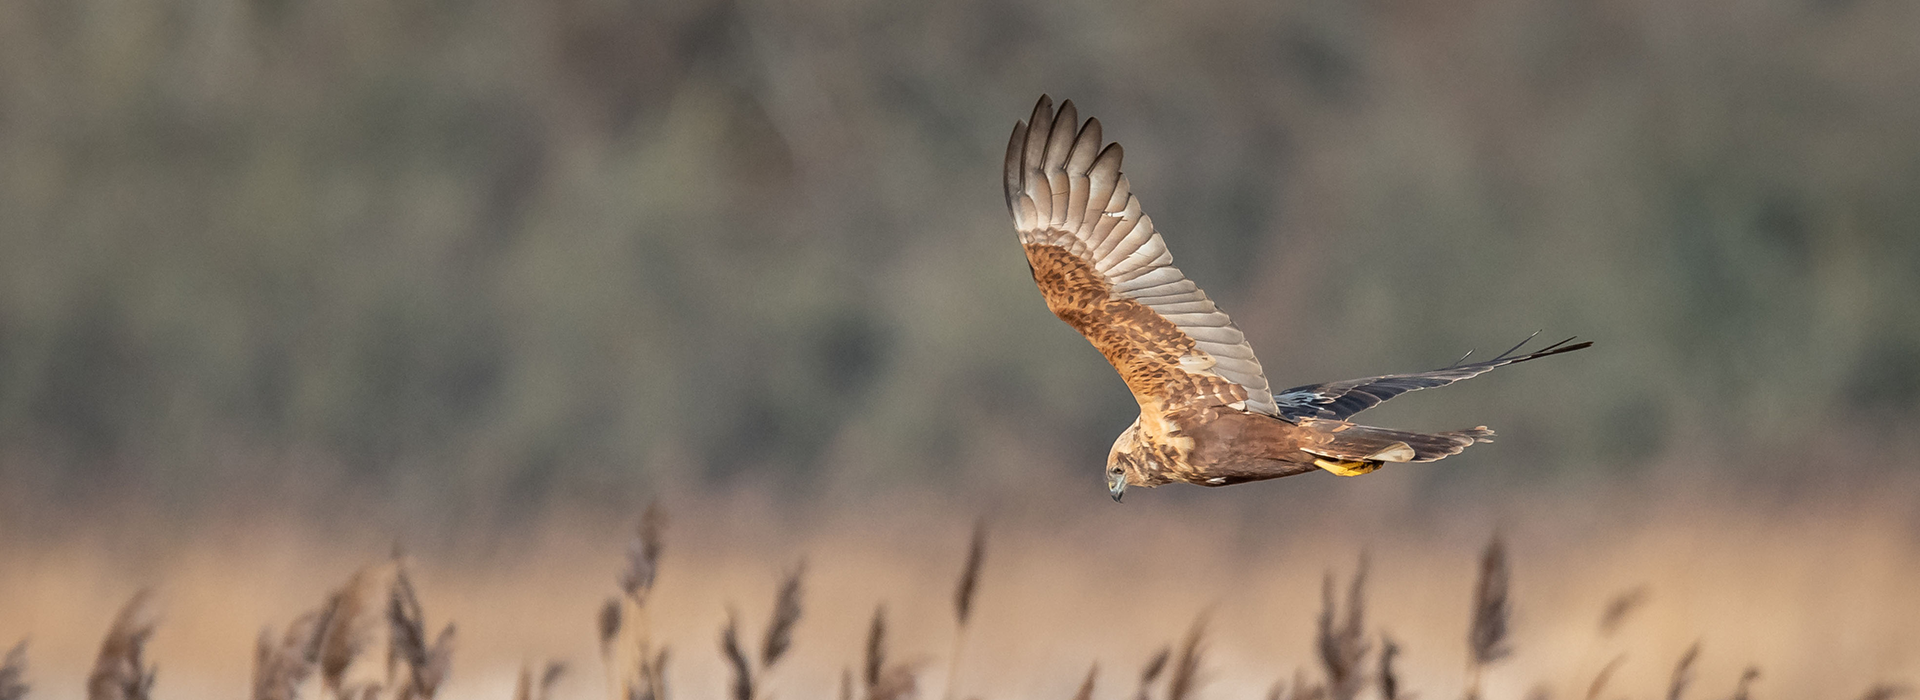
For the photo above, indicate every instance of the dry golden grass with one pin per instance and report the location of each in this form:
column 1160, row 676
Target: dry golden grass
column 1819, row 601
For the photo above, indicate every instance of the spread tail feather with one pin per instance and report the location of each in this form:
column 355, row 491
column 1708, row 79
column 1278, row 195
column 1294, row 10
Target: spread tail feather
column 1361, row 443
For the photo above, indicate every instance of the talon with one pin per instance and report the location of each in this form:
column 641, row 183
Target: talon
column 1343, row 468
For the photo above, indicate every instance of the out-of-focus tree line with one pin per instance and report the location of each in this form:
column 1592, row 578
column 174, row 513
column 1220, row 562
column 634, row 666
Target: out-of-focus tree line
column 481, row 246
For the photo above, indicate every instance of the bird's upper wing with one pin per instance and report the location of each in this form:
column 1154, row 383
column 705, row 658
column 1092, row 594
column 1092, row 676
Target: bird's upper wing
column 1105, row 271
column 1340, row 400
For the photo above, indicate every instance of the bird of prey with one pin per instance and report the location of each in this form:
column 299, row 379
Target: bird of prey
column 1206, row 414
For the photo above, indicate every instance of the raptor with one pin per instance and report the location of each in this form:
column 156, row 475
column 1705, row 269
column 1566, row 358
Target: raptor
column 1207, row 415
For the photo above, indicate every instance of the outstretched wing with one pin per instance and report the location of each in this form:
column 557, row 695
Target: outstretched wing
column 1105, row 271
column 1340, row 400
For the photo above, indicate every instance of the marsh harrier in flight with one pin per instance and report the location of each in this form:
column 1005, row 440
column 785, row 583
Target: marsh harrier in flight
column 1206, row 414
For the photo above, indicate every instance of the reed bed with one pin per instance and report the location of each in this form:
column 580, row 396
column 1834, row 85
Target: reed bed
column 370, row 639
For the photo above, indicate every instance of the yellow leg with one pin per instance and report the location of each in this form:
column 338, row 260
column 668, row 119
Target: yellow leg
column 1341, row 468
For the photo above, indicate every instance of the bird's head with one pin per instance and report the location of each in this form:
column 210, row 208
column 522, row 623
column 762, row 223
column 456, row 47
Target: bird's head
column 1126, row 463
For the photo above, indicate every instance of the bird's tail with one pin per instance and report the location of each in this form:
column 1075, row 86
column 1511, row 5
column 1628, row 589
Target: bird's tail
column 1348, row 449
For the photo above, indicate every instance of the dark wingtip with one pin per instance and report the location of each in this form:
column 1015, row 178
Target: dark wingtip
column 1555, row 349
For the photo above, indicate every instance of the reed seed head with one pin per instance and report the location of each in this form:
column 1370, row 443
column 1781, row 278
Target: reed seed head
column 1487, row 639
column 786, row 615
column 970, row 574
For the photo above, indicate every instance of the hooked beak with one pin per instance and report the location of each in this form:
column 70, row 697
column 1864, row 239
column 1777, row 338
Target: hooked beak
column 1117, row 485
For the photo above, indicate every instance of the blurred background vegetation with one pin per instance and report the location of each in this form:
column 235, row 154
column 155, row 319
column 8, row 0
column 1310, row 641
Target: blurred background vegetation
column 494, row 252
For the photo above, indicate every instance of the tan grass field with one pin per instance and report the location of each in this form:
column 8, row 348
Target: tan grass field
column 1819, row 591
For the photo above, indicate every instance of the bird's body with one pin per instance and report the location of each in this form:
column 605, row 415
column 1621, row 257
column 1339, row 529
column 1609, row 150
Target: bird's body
column 1206, row 414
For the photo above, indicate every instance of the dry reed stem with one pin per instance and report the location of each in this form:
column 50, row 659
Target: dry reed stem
column 876, row 649
column 1300, row 689
column 13, row 673
column 1343, row 646
column 969, row 582
column 121, row 671
column 426, row 666
column 1389, row 683
column 657, row 676
column 1621, row 607
column 523, row 688
column 359, row 623
column 1683, row 672
column 736, row 659
column 1487, row 638
column 279, row 668
column 1150, row 673
column 629, row 653
column 786, row 615
column 1086, row 686
column 779, row 638
column 963, row 593
column 1186, row 671
column 529, row 689
column 883, row 681
column 634, row 670
column 1743, row 691
column 896, row 683
column 1606, row 673
column 376, row 610
column 609, row 623
column 643, row 552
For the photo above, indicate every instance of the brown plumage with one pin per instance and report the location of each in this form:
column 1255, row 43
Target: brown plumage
column 1207, row 415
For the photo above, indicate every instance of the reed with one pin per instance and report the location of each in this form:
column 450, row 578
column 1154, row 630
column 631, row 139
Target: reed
column 963, row 593
column 876, row 661
column 1186, row 669
column 1300, row 688
column 1621, row 607
column 1341, row 638
column 635, row 669
column 121, row 671
column 1744, row 690
column 358, row 624
column 369, row 640
column 1600, row 679
column 530, row 688
column 774, row 646
column 786, row 616
column 737, row 660
column 281, row 666
column 1683, row 673
column 426, row 664
column 1086, row 686
column 1487, row 637
column 13, row 673
column 1151, row 672
column 1389, row 681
